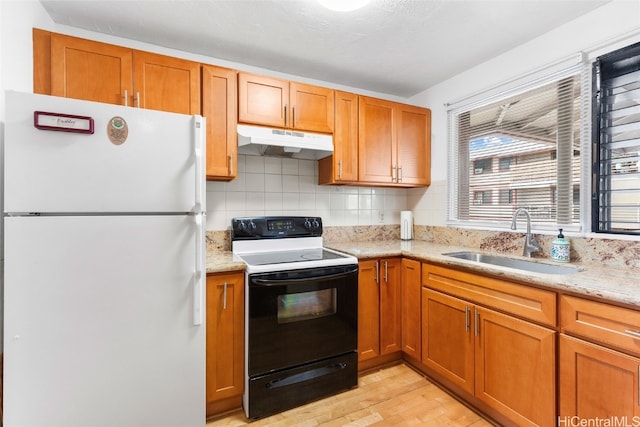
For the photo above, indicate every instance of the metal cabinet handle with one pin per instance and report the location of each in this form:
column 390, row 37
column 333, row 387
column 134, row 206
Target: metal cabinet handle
column 126, row 98
column 285, row 114
column 635, row 334
column 138, row 99
column 476, row 322
column 293, row 116
column 466, row 318
column 224, row 296
column 386, row 272
column 399, row 174
column 340, row 169
column 231, row 164
column 394, row 174
column 377, row 272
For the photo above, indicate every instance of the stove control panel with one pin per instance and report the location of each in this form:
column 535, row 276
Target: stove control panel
column 274, row 227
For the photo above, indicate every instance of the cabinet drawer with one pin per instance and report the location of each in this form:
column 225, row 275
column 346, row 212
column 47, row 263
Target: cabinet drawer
column 520, row 300
column 601, row 322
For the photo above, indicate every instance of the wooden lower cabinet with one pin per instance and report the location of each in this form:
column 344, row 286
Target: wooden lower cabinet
column 597, row 383
column 447, row 339
column 515, row 367
column 505, row 363
column 379, row 332
column 225, row 342
column 600, row 365
column 410, row 313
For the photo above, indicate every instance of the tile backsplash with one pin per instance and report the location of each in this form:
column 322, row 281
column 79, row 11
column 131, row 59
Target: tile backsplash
column 284, row 186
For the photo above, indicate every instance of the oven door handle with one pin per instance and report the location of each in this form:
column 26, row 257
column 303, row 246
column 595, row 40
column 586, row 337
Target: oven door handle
column 278, row 282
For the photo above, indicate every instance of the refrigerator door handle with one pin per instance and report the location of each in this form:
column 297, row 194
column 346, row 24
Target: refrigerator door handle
column 199, row 151
column 198, row 284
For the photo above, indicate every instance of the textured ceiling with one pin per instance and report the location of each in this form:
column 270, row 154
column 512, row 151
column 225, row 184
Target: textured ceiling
column 396, row 47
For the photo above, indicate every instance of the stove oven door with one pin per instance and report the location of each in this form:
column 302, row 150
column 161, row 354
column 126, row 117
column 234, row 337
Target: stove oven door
column 301, row 316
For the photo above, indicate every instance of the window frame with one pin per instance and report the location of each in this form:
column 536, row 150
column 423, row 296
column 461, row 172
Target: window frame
column 579, row 69
column 622, row 55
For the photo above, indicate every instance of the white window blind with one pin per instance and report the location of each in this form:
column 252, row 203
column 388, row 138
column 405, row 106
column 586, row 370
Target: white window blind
column 616, row 135
column 519, row 150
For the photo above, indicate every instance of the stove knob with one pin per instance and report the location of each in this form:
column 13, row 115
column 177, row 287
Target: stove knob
column 307, row 224
column 252, row 226
column 241, row 227
column 316, row 223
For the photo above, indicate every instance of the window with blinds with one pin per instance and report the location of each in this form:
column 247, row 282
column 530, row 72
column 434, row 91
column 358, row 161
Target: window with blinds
column 520, row 150
column 616, row 137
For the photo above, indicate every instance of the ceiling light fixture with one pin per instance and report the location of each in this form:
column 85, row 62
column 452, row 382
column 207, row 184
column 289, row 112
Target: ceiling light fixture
column 343, row 5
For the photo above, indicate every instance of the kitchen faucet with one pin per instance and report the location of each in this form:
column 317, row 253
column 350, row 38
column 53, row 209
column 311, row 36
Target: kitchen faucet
column 530, row 245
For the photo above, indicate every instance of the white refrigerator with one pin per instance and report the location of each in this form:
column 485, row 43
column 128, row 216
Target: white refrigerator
column 103, row 265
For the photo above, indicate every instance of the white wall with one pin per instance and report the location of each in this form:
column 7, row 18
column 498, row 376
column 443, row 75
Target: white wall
column 611, row 26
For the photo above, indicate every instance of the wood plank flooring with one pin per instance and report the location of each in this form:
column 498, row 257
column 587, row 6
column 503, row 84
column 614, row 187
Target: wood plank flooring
column 392, row 396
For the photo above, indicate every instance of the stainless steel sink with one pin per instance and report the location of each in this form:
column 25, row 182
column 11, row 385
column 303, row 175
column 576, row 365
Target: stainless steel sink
column 518, row 264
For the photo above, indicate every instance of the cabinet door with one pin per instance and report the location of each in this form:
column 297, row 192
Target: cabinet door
column 410, row 300
column 597, row 383
column 165, row 83
column 263, row 100
column 414, row 145
column 88, row 70
column 368, row 310
column 225, row 338
column 219, row 94
column 390, row 323
column 342, row 166
column 447, row 337
column 515, row 368
column 312, row 108
column 376, row 140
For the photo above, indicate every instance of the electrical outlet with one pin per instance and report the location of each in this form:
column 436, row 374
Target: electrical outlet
column 380, row 216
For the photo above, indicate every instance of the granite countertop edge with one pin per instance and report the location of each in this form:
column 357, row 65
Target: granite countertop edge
column 607, row 284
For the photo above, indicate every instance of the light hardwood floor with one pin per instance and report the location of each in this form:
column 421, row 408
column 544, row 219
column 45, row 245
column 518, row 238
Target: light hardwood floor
column 392, row 396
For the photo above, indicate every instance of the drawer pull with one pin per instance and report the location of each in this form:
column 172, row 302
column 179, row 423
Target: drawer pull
column 635, row 334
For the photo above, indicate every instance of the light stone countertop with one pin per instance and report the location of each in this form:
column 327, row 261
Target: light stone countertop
column 616, row 285
column 620, row 286
column 223, row 262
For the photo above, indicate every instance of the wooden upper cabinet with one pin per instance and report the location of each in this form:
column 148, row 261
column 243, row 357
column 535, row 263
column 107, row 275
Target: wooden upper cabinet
column 414, row 145
column 84, row 69
column 262, row 100
column 219, row 92
column 342, row 166
column 394, row 145
column 73, row 67
column 376, row 140
column 273, row 102
column 166, row 83
column 312, row 108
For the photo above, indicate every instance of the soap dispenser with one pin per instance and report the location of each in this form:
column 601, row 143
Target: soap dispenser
column 560, row 248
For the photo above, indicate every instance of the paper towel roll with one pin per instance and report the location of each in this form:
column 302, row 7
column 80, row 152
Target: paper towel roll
column 406, row 225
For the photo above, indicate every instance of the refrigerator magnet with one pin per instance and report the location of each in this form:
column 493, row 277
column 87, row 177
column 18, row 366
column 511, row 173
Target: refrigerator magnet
column 117, row 130
column 62, row 122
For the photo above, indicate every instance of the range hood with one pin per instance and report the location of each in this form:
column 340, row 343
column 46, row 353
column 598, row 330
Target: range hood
column 264, row 141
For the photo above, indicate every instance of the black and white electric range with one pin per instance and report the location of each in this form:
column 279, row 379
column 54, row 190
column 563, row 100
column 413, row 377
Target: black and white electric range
column 301, row 313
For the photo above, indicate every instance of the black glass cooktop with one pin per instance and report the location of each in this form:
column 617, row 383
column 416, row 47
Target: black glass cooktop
column 281, row 257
